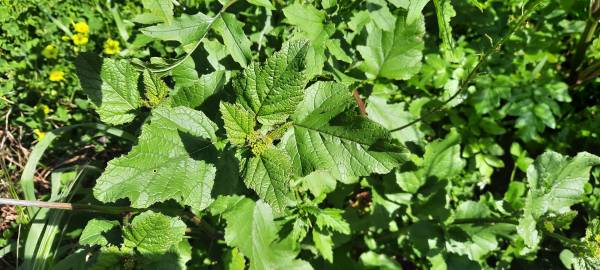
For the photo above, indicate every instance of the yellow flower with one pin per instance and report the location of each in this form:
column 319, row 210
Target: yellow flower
column 44, row 108
column 65, row 38
column 80, row 39
column 40, row 134
column 50, row 52
column 57, row 75
column 111, row 46
column 81, row 27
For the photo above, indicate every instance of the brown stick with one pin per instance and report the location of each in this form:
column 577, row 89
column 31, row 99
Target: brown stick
column 359, row 102
column 70, row 206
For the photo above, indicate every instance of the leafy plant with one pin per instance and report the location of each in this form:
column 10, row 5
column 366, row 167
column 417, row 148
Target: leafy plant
column 360, row 134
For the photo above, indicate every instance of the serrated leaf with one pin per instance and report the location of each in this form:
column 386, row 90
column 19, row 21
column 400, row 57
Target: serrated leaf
column 153, row 233
column 239, row 123
column 92, row 234
column 165, row 163
column 442, row 158
column 269, row 175
column 112, row 85
column 251, row 229
column 395, row 54
column 234, row 38
column 332, row 219
column 324, row 244
column 324, row 137
column 110, row 257
column 156, row 89
column 272, row 90
column 187, row 30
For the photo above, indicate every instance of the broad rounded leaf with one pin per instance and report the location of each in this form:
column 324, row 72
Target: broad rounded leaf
column 165, row 164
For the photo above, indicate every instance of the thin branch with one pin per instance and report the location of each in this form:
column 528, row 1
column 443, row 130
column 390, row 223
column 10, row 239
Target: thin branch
column 481, row 221
column 472, row 74
column 71, row 206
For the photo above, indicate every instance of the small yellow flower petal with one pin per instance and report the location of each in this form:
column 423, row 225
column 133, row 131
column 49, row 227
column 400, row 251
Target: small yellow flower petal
column 111, row 46
column 44, row 108
column 80, row 39
column 50, row 52
column 81, row 27
column 57, row 75
column 40, row 134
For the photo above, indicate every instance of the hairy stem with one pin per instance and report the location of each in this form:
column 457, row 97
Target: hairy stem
column 473, row 72
column 480, row 221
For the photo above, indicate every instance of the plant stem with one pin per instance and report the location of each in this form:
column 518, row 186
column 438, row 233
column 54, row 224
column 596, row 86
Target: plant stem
column 484, row 221
column 584, row 42
column 472, row 74
column 71, row 206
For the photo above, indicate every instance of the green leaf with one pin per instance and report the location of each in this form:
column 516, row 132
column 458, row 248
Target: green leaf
column 262, row 3
column 153, row 233
column 332, row 219
column 112, row 85
column 373, row 260
column 187, row 30
column 272, row 90
column 414, row 10
column 476, row 241
column 556, row 182
column 528, row 231
column 239, row 123
column 112, row 257
column 234, row 38
column 164, row 164
column 335, row 48
column 444, row 13
column 392, row 116
column 251, row 229
column 234, row 260
column 160, row 11
column 269, row 174
column 198, row 91
column 311, row 22
column 191, row 90
column 442, row 158
column 308, row 18
column 324, row 244
column 325, row 136
column 393, row 54
column 156, row 89
column 381, row 15
column 92, row 234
